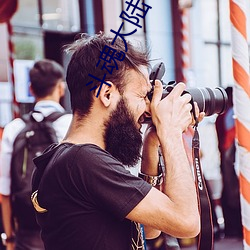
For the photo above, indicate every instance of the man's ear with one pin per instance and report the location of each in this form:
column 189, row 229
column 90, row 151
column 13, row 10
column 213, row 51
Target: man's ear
column 106, row 93
column 62, row 88
column 31, row 90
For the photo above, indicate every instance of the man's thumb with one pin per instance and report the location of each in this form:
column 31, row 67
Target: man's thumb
column 157, row 93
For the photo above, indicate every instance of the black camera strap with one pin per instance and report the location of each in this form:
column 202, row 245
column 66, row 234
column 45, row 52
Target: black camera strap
column 205, row 238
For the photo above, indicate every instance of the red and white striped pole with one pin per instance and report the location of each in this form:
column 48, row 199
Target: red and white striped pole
column 185, row 66
column 15, row 106
column 241, row 95
column 185, row 55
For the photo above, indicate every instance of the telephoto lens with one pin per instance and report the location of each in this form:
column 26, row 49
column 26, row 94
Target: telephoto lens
column 210, row 101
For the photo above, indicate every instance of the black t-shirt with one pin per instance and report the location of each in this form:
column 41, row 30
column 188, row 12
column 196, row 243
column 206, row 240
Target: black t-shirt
column 88, row 194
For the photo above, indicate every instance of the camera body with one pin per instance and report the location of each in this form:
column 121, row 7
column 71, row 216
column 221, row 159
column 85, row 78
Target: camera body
column 210, row 101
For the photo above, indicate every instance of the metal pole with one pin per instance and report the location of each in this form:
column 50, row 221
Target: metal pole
column 241, row 100
column 219, row 42
column 87, row 16
column 40, row 12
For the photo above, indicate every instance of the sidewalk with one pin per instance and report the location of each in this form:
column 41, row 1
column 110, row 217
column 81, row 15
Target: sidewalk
column 223, row 244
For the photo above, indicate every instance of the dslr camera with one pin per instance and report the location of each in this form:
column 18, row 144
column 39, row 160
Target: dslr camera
column 210, row 101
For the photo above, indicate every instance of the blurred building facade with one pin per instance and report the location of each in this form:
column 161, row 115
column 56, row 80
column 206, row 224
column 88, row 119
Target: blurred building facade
column 42, row 27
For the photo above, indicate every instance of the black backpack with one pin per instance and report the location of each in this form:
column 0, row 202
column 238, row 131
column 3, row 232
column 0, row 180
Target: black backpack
column 37, row 135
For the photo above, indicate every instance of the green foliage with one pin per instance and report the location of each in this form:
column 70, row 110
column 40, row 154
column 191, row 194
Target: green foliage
column 25, row 49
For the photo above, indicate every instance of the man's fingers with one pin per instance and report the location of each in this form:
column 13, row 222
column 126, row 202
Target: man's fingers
column 196, row 109
column 199, row 115
column 186, row 98
column 157, row 93
column 178, row 90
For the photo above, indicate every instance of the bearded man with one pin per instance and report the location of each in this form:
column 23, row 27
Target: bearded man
column 84, row 196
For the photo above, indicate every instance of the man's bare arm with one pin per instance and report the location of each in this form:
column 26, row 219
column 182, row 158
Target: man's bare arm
column 7, row 220
column 175, row 211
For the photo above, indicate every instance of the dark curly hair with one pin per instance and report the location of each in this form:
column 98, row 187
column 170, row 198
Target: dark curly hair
column 85, row 55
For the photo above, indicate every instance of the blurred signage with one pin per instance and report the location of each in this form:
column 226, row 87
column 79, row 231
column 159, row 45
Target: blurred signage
column 22, row 81
column 5, row 103
column 6, row 92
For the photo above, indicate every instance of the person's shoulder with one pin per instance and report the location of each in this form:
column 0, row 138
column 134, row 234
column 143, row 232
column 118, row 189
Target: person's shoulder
column 96, row 156
column 62, row 124
column 15, row 125
column 89, row 148
column 67, row 116
column 91, row 152
column 12, row 129
column 64, row 118
column 15, row 122
column 80, row 150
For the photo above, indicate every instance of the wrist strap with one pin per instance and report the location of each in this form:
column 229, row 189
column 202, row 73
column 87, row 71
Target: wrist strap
column 6, row 240
column 151, row 179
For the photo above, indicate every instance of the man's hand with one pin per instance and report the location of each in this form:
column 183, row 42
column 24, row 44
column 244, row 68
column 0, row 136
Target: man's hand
column 171, row 115
column 199, row 115
column 175, row 209
column 7, row 220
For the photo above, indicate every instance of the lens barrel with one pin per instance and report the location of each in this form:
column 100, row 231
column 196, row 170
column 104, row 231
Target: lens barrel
column 210, row 101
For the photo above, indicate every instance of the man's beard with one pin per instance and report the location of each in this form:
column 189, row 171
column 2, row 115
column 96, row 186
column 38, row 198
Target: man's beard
column 122, row 138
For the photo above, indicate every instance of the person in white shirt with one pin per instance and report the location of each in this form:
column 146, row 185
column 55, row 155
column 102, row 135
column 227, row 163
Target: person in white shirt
column 48, row 86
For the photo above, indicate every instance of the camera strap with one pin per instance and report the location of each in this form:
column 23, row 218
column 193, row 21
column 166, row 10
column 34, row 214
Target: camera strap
column 205, row 238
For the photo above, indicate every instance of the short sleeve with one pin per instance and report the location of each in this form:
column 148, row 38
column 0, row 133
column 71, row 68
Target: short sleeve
column 107, row 183
column 10, row 133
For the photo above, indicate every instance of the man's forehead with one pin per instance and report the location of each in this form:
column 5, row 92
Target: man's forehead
column 145, row 74
column 138, row 80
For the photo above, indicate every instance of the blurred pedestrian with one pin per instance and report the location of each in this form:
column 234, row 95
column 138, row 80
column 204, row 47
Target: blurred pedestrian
column 225, row 125
column 47, row 85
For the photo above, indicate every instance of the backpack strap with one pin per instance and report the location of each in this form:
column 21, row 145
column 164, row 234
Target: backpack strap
column 51, row 118
column 54, row 116
column 43, row 123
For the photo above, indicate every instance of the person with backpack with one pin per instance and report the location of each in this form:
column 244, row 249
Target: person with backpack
column 23, row 139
